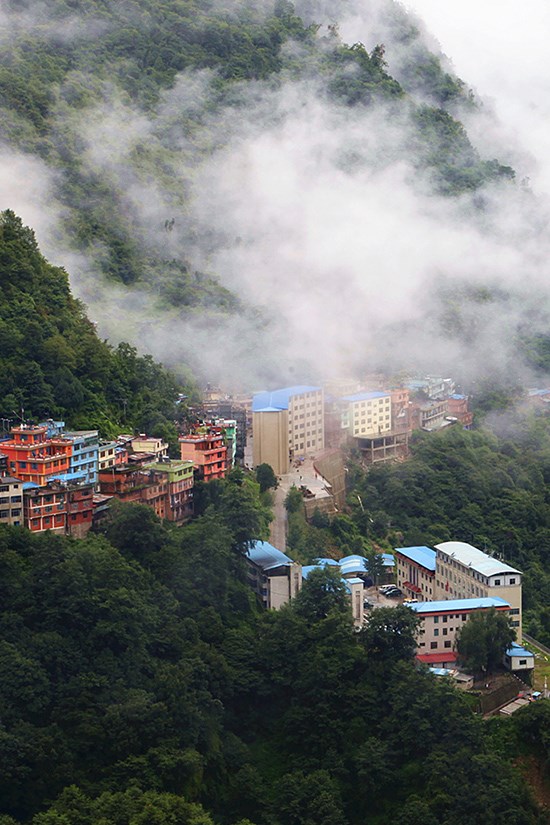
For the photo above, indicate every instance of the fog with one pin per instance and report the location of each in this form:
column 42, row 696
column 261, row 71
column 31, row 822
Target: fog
column 314, row 215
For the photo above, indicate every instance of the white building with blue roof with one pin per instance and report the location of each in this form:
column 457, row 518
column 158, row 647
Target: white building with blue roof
column 416, row 571
column 441, row 622
column 366, row 414
column 287, row 424
column 464, row 572
column 274, row 576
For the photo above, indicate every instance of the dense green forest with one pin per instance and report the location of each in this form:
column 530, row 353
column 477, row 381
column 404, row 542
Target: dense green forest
column 141, row 683
column 492, row 491
column 52, row 363
column 191, row 70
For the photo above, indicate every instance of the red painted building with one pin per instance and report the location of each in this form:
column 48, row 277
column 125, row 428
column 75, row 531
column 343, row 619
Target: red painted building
column 59, row 508
column 33, row 457
column 208, row 452
column 458, row 408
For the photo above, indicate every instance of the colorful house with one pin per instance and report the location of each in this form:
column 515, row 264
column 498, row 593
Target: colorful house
column 208, row 452
column 36, row 458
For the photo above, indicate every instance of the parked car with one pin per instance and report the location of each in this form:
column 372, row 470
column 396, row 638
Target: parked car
column 395, row 591
column 410, row 601
column 384, row 587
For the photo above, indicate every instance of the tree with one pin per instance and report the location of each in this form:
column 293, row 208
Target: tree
column 389, row 634
column 322, row 593
column 483, row 640
column 266, row 478
column 294, row 500
column 375, row 564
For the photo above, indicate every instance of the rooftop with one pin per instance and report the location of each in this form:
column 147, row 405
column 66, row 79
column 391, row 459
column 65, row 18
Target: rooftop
column 9, row 480
column 424, row 556
column 276, row 400
column 518, row 650
column 470, row 556
column 365, row 396
column 457, row 605
column 267, row 557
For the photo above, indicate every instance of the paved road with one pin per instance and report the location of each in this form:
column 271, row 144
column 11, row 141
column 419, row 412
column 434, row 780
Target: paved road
column 279, row 525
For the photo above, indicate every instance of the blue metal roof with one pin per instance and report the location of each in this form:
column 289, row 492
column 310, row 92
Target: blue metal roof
column 518, row 650
column 365, row 396
column 353, row 564
column 423, row 555
column 389, row 559
column 266, row 556
column 457, row 396
column 278, row 399
column 457, row 605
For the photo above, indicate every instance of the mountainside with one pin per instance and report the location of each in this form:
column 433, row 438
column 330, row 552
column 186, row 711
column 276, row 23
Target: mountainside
column 52, row 362
column 135, row 111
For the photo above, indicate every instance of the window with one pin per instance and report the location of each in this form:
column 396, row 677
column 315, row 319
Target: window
column 445, row 619
column 436, row 619
column 444, row 631
column 447, row 644
column 436, row 632
column 514, row 611
column 512, row 581
column 497, row 582
column 463, row 617
column 523, row 661
column 433, row 645
column 515, row 624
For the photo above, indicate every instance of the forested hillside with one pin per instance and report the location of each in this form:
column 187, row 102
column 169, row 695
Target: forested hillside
column 52, row 363
column 141, row 683
column 125, row 100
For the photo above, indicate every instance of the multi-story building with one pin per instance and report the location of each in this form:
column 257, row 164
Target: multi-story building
column 400, row 410
column 135, row 484
column 458, row 408
column 367, row 414
column 432, row 386
column 208, row 452
column 442, row 620
column 272, row 575
column 58, row 507
column 107, row 454
column 416, row 572
column 11, row 501
column 464, row 572
column 150, row 445
column 36, row 458
column 429, row 415
column 179, row 491
column 287, row 424
column 83, row 464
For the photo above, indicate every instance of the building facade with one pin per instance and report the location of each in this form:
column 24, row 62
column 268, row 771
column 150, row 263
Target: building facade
column 61, row 508
column 179, row 491
column 274, row 577
column 34, row 457
column 416, row 572
column 367, row 414
column 442, row 621
column 208, row 452
column 464, row 572
column 287, row 424
column 11, row 501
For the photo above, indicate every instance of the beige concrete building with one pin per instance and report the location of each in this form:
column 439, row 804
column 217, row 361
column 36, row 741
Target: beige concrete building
column 287, row 424
column 11, row 501
column 150, row 444
column 367, row 414
column 464, row 572
column 441, row 622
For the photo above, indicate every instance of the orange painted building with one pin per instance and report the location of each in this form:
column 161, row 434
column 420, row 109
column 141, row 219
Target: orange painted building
column 60, row 508
column 34, row 457
column 207, row 451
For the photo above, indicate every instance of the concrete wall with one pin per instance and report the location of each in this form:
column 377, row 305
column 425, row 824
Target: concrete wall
column 270, row 440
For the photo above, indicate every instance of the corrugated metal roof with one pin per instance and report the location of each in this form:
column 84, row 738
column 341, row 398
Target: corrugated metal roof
column 422, row 555
column 365, row 396
column 470, row 556
column 518, row 650
column 457, row 605
column 266, row 556
column 269, row 401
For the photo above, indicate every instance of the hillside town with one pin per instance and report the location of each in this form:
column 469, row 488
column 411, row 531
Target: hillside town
column 64, row 481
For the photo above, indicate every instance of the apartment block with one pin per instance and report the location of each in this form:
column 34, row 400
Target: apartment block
column 61, row 508
column 287, row 423
column 34, row 457
column 273, row 576
column 416, row 572
column 11, row 501
column 441, row 622
column 367, row 414
column 179, row 492
column 207, row 450
column 150, row 445
column 464, row 572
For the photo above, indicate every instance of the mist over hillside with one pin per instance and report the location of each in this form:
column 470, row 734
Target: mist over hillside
column 274, row 192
